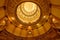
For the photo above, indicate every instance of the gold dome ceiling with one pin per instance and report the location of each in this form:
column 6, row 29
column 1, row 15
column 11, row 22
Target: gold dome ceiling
column 27, row 20
column 20, row 21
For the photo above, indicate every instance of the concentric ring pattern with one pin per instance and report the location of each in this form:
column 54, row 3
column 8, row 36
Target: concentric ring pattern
column 28, row 18
column 30, row 12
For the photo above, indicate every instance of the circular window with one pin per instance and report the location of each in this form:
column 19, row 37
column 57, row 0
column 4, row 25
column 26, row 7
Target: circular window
column 28, row 12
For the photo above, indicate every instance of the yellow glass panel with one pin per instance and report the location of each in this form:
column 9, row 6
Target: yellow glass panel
column 17, row 31
column 55, row 11
column 10, row 28
column 23, row 33
column 35, row 32
column 2, row 3
column 2, row 12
